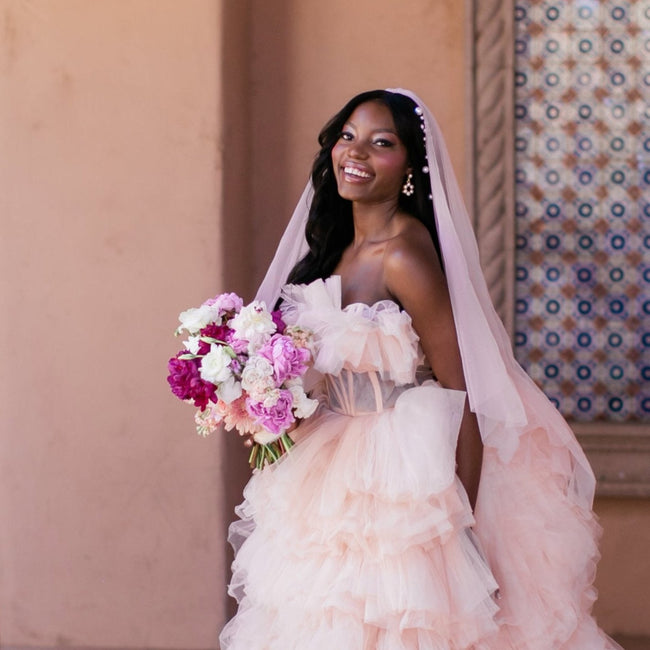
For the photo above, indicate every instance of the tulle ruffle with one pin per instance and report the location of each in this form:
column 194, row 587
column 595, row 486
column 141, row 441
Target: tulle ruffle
column 353, row 541
column 542, row 547
column 360, row 337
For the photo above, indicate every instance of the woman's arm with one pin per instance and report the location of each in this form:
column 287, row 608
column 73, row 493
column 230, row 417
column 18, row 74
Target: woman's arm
column 414, row 277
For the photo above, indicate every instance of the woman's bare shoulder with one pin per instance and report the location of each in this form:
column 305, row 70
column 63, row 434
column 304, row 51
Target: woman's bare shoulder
column 411, row 252
column 414, row 278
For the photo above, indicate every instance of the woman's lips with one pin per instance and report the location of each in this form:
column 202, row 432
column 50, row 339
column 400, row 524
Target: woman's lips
column 355, row 173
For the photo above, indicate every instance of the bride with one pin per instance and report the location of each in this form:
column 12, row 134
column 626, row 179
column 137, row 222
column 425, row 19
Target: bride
column 436, row 499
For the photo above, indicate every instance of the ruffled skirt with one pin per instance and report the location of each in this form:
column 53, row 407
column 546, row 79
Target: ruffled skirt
column 359, row 538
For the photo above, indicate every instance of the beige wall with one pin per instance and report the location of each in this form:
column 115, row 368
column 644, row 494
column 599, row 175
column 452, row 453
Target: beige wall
column 110, row 193
column 309, row 58
column 152, row 151
column 624, row 570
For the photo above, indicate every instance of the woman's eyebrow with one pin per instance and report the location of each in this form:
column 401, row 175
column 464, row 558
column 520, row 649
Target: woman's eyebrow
column 381, row 130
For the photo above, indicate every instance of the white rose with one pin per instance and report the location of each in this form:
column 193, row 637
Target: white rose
column 257, row 376
column 192, row 344
column 197, row 318
column 253, row 323
column 303, row 406
column 214, row 365
column 229, row 390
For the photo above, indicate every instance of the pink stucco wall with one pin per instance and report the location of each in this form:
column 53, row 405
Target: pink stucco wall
column 151, row 153
column 111, row 526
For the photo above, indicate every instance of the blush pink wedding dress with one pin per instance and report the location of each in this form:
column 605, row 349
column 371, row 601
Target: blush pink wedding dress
column 362, row 537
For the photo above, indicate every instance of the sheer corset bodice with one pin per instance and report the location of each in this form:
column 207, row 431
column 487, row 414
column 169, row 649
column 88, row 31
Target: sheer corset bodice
column 362, row 393
column 356, row 393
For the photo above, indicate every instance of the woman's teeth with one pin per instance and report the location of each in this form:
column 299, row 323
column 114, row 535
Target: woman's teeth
column 353, row 171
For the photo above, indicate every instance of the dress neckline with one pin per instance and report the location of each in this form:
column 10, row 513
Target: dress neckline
column 357, row 304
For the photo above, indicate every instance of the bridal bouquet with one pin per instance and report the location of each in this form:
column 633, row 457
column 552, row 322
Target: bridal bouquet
column 243, row 367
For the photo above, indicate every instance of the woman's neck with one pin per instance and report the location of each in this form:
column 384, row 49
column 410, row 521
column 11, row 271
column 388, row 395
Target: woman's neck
column 372, row 221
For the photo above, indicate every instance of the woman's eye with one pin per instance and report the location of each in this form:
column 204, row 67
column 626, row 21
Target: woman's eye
column 383, row 143
column 346, row 135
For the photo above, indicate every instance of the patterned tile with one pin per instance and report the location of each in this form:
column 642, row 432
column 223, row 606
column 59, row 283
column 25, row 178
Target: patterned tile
column 582, row 306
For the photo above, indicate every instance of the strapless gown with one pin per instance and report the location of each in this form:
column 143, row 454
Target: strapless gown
column 362, row 537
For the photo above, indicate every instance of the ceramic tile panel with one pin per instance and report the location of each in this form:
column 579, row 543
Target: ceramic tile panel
column 582, row 285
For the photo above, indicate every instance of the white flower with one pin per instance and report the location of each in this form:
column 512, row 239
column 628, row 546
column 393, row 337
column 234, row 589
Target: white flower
column 197, row 318
column 257, row 377
column 264, row 437
column 214, row 365
column 192, row 344
column 253, row 323
column 229, row 390
column 303, row 406
column 271, row 398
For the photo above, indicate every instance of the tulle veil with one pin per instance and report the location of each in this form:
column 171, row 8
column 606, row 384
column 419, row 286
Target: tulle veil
column 533, row 464
column 503, row 397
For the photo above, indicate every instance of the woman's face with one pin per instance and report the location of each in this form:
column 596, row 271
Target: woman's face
column 369, row 160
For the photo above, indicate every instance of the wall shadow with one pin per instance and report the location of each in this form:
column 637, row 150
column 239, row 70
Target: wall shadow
column 255, row 176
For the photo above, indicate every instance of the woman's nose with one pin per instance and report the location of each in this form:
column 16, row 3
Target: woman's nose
column 358, row 150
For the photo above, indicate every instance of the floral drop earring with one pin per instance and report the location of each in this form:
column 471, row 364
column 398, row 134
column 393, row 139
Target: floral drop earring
column 408, row 188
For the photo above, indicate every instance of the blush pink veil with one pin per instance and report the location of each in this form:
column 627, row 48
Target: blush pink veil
column 533, row 514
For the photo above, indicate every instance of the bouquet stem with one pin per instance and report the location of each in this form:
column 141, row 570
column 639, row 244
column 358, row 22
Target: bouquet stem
column 262, row 455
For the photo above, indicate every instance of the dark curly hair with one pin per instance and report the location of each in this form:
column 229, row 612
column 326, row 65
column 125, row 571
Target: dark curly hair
column 330, row 228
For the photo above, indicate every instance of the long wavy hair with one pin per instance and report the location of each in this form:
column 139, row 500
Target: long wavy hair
column 330, row 229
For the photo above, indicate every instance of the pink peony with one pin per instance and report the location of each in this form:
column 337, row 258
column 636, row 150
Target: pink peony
column 240, row 346
column 226, row 302
column 287, row 360
column 276, row 418
column 186, row 383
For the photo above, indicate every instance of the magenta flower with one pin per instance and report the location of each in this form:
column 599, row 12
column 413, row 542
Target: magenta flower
column 287, row 360
column 186, row 383
column 277, row 319
column 276, row 418
column 214, row 331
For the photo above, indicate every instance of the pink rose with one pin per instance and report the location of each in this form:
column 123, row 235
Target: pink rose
column 276, row 418
column 287, row 360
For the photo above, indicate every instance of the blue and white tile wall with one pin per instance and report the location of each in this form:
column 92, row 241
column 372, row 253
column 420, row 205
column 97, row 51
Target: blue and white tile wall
column 583, row 204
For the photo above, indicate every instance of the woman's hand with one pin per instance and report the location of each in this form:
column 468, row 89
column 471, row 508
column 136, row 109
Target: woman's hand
column 293, row 427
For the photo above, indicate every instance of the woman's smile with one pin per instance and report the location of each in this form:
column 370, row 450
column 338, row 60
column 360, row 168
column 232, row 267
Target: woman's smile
column 355, row 173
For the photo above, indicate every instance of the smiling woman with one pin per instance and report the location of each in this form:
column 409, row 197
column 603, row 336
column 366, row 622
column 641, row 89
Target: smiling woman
column 373, row 133
column 435, row 499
